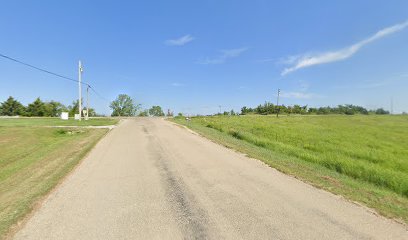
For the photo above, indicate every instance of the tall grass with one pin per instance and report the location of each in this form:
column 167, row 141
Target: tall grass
column 372, row 149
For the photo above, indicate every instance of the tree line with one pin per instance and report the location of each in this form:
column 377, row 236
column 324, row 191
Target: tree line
column 39, row 108
column 125, row 106
column 347, row 109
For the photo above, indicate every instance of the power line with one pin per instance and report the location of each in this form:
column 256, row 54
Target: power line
column 52, row 73
column 37, row 68
column 97, row 94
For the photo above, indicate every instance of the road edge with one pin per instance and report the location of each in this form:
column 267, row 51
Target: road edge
column 17, row 226
column 361, row 205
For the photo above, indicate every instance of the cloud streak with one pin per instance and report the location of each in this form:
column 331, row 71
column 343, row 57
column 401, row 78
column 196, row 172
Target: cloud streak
column 179, row 41
column 304, row 61
column 224, row 56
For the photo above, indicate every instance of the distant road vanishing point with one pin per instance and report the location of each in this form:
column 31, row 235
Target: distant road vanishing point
column 151, row 179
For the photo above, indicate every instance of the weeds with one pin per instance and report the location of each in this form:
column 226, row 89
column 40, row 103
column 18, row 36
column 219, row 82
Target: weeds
column 349, row 145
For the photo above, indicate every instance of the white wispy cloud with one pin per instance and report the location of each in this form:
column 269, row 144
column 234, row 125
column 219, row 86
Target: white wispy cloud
column 224, row 56
column 180, row 41
column 308, row 60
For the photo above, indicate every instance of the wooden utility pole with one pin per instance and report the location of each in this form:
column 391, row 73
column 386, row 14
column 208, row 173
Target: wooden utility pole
column 87, row 103
column 277, row 104
column 79, row 89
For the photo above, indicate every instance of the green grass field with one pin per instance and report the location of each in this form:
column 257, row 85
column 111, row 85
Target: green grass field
column 26, row 122
column 364, row 158
column 34, row 158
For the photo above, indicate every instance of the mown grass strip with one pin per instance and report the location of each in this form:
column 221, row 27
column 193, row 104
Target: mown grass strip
column 32, row 162
column 52, row 121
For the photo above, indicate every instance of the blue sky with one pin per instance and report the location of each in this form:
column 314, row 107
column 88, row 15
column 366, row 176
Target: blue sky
column 193, row 56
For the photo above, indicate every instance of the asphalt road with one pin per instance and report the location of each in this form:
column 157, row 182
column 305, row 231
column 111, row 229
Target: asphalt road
column 151, row 179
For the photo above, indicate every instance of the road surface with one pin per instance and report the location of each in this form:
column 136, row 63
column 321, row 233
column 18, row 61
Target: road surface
column 151, row 179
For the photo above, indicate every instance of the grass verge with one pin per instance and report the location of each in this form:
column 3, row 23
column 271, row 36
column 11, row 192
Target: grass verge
column 49, row 121
column 33, row 160
column 363, row 158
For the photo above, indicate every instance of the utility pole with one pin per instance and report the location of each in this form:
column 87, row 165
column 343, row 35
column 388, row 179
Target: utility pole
column 392, row 105
column 277, row 104
column 79, row 89
column 220, row 108
column 87, row 103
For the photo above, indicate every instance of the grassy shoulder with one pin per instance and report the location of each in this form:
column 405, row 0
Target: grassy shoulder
column 363, row 158
column 49, row 121
column 34, row 159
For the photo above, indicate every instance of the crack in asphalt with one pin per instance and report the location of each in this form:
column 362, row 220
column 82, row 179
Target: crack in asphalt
column 192, row 219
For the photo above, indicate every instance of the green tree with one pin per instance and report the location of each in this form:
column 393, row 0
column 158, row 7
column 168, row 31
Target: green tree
column 381, row 111
column 73, row 109
column 297, row 109
column 244, row 110
column 54, row 109
column 12, row 107
column 124, row 105
column 312, row 110
column 92, row 112
column 36, row 108
column 303, row 110
column 156, row 111
column 144, row 113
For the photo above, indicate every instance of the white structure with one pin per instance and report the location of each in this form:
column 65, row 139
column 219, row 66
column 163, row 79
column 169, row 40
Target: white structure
column 85, row 113
column 64, row 115
column 77, row 116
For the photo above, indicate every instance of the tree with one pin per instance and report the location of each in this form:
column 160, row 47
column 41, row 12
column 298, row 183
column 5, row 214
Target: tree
column 144, row 113
column 74, row 108
column 244, row 110
column 156, row 111
column 297, row 109
column 54, row 109
column 312, row 110
column 36, row 108
column 381, row 111
column 12, row 107
column 124, row 105
column 92, row 112
column 303, row 110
